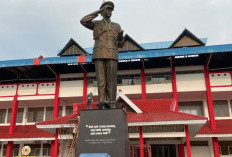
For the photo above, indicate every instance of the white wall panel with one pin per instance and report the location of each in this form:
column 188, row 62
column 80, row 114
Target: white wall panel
column 220, row 79
column 7, row 99
column 132, row 89
column 93, row 90
column 71, row 88
column 27, row 89
column 47, row 88
column 190, row 82
column 8, row 90
column 159, row 88
column 43, row 97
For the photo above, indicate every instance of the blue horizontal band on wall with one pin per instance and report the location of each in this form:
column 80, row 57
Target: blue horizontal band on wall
column 126, row 55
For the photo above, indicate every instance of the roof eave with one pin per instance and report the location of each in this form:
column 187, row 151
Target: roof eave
column 203, row 121
column 55, row 126
column 28, row 139
column 214, row 135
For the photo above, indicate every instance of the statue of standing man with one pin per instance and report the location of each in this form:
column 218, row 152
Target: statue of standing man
column 108, row 38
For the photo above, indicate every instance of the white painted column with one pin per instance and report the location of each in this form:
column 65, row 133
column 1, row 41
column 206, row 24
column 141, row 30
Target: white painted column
column 205, row 108
column 44, row 116
column 210, row 145
column 64, row 111
column 25, row 115
column 1, row 152
column 6, row 115
column 230, row 113
column 20, row 149
column 41, row 150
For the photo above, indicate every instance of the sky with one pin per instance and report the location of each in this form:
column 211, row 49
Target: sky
column 30, row 28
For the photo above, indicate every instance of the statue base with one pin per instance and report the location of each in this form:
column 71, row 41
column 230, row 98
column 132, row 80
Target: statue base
column 103, row 131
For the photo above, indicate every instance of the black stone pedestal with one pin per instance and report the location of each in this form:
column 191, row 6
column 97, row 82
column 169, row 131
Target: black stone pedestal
column 103, row 131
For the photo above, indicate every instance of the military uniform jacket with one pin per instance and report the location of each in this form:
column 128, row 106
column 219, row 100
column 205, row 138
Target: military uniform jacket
column 106, row 39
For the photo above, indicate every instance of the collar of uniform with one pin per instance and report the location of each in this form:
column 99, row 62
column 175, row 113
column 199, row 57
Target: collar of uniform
column 104, row 20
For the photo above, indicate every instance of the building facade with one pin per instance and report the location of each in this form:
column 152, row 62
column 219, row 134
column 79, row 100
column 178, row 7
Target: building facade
column 178, row 96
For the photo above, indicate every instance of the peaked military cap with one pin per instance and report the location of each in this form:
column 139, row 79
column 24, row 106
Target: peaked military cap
column 107, row 3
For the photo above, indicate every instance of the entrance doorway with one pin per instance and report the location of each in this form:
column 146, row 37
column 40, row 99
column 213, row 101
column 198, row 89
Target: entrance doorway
column 163, row 150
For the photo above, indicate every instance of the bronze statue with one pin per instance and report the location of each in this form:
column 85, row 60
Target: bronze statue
column 108, row 38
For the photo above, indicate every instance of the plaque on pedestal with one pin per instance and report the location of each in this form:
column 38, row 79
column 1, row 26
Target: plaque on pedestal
column 103, row 131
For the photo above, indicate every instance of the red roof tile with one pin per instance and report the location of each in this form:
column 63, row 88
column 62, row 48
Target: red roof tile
column 24, row 131
column 223, row 126
column 161, row 116
column 133, row 117
column 153, row 110
column 151, row 105
column 70, row 119
column 159, row 110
